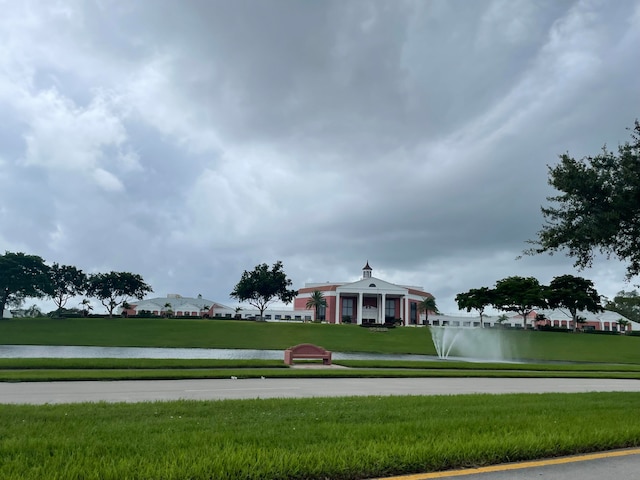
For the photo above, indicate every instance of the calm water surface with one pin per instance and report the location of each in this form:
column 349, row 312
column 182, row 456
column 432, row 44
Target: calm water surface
column 37, row 351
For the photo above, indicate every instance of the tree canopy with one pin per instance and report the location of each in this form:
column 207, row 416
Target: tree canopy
column 22, row 276
column 598, row 208
column 626, row 304
column 115, row 288
column 574, row 294
column 263, row 286
column 519, row 294
column 66, row 282
column 476, row 299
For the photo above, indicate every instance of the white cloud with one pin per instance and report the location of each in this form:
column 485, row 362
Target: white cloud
column 129, row 161
column 107, row 180
column 153, row 92
column 64, row 136
column 511, row 21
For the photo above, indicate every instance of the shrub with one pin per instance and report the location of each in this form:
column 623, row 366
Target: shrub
column 549, row 328
column 602, row 332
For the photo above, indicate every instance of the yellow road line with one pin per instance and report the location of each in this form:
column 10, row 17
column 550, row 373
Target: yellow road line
column 516, row 466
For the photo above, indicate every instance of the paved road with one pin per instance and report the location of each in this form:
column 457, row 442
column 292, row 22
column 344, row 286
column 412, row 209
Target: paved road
column 156, row 390
column 614, row 465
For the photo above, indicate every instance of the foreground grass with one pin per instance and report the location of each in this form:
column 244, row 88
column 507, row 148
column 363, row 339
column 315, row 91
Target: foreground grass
column 337, row 438
column 57, row 369
column 519, row 345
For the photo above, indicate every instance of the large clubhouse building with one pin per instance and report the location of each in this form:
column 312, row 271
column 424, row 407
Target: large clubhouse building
column 368, row 300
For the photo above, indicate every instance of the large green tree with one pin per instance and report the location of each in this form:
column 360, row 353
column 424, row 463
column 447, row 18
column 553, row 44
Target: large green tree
column 115, row 288
column 476, row 299
column 316, row 301
column 519, row 294
column 626, row 304
column 574, row 294
column 598, row 208
column 22, row 276
column 66, row 282
column 262, row 286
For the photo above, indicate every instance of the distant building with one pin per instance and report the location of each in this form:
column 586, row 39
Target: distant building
column 603, row 321
column 606, row 321
column 178, row 305
column 368, row 300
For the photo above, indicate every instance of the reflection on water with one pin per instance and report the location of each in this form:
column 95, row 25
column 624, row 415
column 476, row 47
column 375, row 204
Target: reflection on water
column 37, row 351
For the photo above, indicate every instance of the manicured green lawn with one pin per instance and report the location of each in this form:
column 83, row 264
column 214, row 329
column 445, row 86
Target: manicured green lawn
column 54, row 369
column 337, row 438
column 209, row 334
column 523, row 345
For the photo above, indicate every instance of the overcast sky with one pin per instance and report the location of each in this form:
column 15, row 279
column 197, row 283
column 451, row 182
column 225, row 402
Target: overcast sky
column 190, row 140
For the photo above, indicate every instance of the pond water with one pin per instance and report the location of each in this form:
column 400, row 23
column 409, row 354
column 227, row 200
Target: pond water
column 41, row 351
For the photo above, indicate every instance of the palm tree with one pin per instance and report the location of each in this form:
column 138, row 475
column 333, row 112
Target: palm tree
column 428, row 304
column 33, row 311
column 168, row 311
column 317, row 300
column 623, row 324
column 86, row 307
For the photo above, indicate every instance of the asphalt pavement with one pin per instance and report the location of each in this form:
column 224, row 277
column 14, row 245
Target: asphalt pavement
column 612, row 465
column 160, row 390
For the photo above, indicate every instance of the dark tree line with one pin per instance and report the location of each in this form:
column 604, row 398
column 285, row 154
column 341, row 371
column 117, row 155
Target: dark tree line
column 28, row 276
column 525, row 294
column 626, row 304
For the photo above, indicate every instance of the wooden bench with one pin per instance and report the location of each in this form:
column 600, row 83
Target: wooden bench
column 307, row 351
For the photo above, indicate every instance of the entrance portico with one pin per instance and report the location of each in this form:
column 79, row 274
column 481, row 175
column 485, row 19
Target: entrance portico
column 371, row 300
column 368, row 300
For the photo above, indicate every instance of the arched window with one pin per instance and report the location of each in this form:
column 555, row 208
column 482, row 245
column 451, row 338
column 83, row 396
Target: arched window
column 372, row 284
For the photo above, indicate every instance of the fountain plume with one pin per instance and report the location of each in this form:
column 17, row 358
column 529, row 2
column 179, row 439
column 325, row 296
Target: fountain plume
column 470, row 343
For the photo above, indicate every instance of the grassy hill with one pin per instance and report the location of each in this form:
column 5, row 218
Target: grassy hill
column 545, row 346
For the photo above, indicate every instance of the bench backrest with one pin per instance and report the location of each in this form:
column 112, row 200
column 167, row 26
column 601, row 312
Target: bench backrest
column 308, row 348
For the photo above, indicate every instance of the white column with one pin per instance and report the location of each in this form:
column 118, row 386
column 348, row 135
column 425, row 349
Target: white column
column 337, row 306
column 384, row 308
column 406, row 310
column 360, row 307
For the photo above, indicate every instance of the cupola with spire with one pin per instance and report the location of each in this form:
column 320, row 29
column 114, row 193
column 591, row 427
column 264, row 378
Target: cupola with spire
column 366, row 271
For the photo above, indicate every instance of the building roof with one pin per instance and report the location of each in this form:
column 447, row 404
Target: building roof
column 364, row 284
column 373, row 284
column 177, row 302
column 605, row 316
